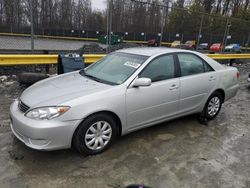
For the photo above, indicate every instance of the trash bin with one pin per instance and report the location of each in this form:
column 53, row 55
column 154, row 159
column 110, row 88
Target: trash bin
column 102, row 39
column 69, row 63
column 115, row 39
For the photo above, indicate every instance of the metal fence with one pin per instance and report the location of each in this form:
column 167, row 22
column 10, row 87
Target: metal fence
column 207, row 34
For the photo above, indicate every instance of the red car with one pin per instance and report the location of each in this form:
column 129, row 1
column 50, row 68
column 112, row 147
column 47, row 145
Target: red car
column 216, row 47
column 153, row 42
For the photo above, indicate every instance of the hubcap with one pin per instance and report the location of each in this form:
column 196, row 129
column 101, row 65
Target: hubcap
column 98, row 135
column 213, row 106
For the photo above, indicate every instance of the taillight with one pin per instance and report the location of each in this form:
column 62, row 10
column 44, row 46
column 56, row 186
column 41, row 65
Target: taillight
column 238, row 75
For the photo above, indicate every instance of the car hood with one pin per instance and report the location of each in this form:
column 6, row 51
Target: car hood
column 59, row 89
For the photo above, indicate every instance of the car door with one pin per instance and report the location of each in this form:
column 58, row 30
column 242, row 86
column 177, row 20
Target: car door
column 158, row 101
column 196, row 81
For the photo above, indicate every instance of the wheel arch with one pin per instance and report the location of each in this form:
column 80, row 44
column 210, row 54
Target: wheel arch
column 110, row 113
column 221, row 92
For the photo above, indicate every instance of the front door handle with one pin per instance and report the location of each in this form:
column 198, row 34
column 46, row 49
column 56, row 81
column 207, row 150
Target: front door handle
column 172, row 87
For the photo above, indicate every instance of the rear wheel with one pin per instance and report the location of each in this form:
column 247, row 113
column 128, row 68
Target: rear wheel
column 95, row 134
column 213, row 106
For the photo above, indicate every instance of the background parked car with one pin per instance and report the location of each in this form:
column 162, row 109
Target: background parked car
column 191, row 44
column 216, row 47
column 175, row 43
column 153, row 42
column 203, row 46
column 233, row 48
column 184, row 46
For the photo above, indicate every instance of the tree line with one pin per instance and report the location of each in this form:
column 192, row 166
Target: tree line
column 183, row 17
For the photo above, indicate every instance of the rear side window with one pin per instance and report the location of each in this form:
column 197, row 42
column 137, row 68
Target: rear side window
column 207, row 67
column 159, row 69
column 191, row 64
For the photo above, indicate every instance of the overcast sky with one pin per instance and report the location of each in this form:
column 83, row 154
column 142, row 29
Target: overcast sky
column 98, row 4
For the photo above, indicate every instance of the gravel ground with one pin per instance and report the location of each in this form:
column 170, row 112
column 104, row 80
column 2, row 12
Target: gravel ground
column 179, row 153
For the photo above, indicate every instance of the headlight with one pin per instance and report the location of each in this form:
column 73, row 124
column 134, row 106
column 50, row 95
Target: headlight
column 47, row 113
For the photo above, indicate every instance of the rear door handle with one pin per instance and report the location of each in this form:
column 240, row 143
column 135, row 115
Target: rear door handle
column 211, row 78
column 172, row 87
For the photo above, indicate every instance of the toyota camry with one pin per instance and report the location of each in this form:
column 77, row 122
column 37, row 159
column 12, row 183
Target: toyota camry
column 127, row 90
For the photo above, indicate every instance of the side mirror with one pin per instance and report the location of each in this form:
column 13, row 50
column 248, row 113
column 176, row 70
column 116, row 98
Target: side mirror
column 142, row 82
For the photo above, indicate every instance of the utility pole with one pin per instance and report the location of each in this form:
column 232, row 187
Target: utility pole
column 228, row 27
column 32, row 26
column 199, row 35
column 107, row 35
column 110, row 21
column 164, row 15
column 225, row 34
column 248, row 39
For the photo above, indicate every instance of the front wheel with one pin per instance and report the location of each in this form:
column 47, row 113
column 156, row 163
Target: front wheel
column 95, row 134
column 213, row 106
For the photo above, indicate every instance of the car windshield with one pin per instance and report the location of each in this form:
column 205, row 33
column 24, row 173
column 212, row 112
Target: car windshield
column 115, row 68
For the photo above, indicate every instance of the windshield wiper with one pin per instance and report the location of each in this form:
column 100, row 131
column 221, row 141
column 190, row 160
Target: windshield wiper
column 83, row 73
column 94, row 78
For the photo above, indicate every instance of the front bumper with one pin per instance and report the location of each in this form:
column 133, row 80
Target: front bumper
column 42, row 134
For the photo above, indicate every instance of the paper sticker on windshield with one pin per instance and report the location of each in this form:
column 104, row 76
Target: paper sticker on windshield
column 131, row 64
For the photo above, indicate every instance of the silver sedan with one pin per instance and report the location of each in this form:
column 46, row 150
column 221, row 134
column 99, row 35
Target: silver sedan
column 127, row 90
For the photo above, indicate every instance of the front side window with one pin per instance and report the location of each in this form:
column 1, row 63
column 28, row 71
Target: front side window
column 115, row 68
column 191, row 64
column 159, row 69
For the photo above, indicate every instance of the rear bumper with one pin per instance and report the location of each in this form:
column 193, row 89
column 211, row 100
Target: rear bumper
column 41, row 134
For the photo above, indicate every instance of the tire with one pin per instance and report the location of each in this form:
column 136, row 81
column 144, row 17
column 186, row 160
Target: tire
column 87, row 138
column 213, row 106
column 29, row 78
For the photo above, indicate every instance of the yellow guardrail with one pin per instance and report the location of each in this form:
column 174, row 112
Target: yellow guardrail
column 27, row 59
column 41, row 59
column 245, row 48
column 229, row 56
column 145, row 42
column 92, row 58
column 11, row 59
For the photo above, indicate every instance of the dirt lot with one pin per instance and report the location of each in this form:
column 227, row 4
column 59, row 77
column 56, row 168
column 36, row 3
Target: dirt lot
column 180, row 153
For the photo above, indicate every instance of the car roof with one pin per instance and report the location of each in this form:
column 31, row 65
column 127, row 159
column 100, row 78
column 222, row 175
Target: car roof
column 154, row 51
column 233, row 44
column 151, row 51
